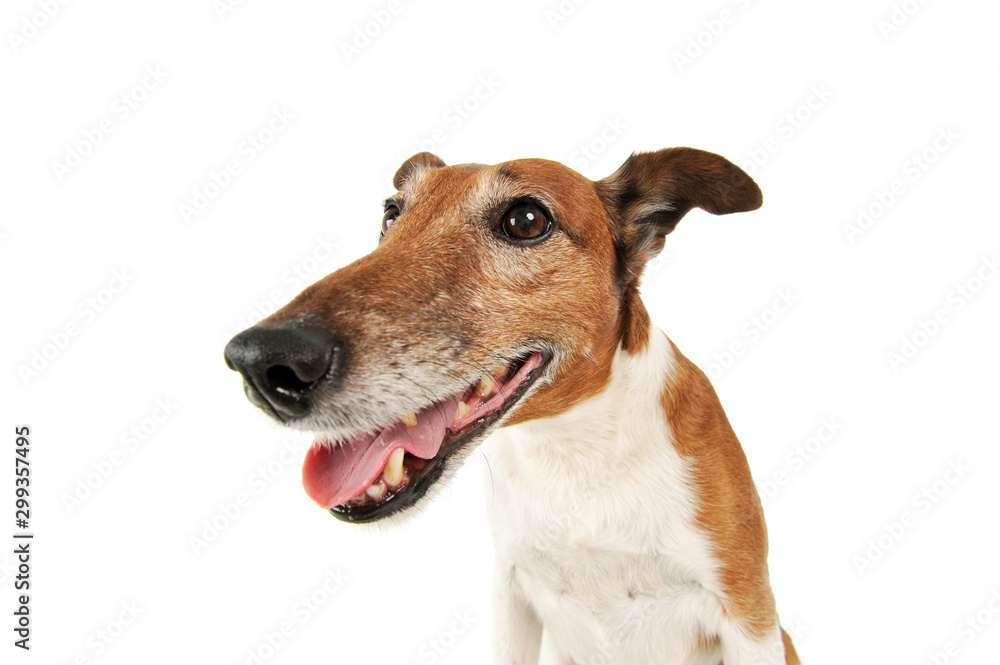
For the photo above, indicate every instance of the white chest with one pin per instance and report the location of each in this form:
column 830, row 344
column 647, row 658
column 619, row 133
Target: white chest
column 593, row 511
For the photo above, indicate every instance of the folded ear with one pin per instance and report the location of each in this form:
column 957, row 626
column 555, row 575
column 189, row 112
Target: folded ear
column 421, row 159
column 652, row 191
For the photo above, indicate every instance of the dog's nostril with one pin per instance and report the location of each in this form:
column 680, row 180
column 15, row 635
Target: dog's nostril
column 283, row 365
column 284, row 378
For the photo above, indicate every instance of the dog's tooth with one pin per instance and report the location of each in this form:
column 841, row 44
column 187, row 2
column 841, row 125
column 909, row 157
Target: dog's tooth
column 410, row 419
column 486, row 385
column 461, row 411
column 393, row 473
column 376, row 490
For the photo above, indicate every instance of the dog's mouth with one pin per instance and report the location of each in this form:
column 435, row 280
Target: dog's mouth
column 370, row 476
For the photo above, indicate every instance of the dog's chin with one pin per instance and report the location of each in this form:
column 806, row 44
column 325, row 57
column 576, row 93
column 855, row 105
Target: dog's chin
column 379, row 476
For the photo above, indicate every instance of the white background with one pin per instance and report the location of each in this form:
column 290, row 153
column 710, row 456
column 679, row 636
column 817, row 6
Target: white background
column 605, row 77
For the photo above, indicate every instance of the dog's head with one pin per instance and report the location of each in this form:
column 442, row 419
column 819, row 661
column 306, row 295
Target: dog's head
column 496, row 295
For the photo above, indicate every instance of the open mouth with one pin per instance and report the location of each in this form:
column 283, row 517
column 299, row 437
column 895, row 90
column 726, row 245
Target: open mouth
column 367, row 477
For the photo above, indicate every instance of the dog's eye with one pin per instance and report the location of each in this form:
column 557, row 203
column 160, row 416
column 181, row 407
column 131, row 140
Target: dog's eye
column 391, row 213
column 525, row 221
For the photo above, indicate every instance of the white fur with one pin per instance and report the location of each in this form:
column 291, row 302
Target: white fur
column 592, row 515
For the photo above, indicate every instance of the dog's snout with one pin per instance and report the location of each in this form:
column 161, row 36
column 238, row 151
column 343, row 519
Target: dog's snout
column 282, row 365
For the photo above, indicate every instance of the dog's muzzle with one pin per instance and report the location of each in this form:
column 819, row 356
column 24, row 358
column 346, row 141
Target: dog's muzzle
column 283, row 365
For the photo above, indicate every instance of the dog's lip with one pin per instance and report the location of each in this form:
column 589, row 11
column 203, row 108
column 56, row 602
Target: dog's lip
column 337, row 477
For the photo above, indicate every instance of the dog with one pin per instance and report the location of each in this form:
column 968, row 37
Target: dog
column 503, row 301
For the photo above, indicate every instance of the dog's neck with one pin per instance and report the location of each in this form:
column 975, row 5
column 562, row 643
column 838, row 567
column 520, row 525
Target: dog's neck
column 607, row 426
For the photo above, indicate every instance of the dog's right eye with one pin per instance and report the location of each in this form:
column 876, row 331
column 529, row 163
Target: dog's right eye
column 391, row 213
column 525, row 222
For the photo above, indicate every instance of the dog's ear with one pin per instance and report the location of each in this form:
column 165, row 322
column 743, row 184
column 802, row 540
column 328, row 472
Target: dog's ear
column 651, row 191
column 427, row 159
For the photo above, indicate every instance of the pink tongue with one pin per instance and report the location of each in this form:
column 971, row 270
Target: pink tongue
column 334, row 473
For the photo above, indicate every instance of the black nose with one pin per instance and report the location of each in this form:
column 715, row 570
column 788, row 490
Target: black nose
column 282, row 365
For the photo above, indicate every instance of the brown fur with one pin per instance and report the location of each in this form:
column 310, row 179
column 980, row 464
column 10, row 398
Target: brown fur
column 650, row 193
column 445, row 291
column 569, row 289
column 633, row 320
column 440, row 280
column 730, row 510
column 791, row 658
column 421, row 159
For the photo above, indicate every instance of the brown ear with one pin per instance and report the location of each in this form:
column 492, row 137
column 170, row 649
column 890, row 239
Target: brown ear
column 427, row 159
column 652, row 191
